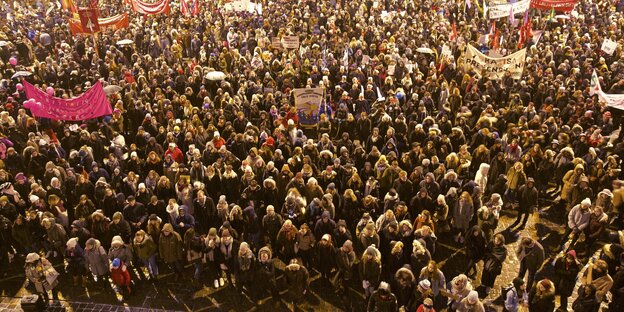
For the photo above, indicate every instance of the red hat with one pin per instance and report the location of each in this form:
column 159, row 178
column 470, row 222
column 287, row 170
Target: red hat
column 270, row 141
column 572, row 253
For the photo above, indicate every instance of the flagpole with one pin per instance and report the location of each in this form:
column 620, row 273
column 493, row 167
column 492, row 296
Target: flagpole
column 95, row 47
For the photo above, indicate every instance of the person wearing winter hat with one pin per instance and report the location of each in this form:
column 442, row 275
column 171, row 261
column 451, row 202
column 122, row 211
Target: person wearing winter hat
column 76, row 262
column 422, row 292
column 265, row 277
column 471, row 303
column 567, row 268
column 578, row 220
column 426, row 306
column 297, row 279
column 121, row 277
column 370, row 270
column 96, row 259
column 171, row 249
column 40, row 272
column 120, row 250
column 383, row 299
column 326, row 251
column 345, row 258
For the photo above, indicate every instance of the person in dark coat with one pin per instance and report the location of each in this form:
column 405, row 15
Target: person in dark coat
column 617, row 290
column 586, row 301
column 76, row 262
column 494, row 257
column 327, row 256
column 382, row 300
column 205, row 212
column 476, row 248
column 345, row 257
column 245, row 268
column 228, row 251
column 404, row 284
column 527, row 199
column 297, row 279
column 566, row 271
column 530, row 253
column 542, row 296
column 135, row 213
column 265, row 276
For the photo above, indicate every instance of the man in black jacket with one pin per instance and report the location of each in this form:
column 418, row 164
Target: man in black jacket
column 527, row 197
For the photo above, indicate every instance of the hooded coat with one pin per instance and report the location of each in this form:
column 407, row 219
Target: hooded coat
column 170, row 247
column 570, row 180
column 119, row 250
column 297, row 280
column 96, row 257
column 565, row 275
column 144, row 249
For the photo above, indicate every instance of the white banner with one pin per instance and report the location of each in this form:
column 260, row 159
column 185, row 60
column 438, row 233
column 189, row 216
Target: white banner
column 446, row 51
column 503, row 10
column 494, row 68
column 608, row 46
column 290, row 42
column 612, row 100
column 242, row 6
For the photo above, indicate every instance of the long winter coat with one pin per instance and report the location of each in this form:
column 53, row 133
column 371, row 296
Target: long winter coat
column 97, row 260
column 297, row 280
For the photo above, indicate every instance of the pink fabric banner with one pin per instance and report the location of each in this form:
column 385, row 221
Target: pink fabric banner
column 89, row 105
column 161, row 6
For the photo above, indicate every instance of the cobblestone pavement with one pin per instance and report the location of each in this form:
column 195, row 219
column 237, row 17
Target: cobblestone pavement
column 170, row 295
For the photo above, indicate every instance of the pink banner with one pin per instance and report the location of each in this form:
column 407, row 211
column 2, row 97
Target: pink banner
column 89, row 105
column 161, row 6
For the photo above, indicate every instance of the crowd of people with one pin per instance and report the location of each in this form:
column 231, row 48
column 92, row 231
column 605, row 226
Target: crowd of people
column 410, row 148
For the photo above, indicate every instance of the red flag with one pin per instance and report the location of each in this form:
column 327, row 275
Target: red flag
column 184, row 8
column 89, row 20
column 453, row 36
column 196, row 8
column 69, row 5
column 113, row 23
column 495, row 42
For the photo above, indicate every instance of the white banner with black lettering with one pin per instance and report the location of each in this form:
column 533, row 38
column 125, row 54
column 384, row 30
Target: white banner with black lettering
column 503, row 10
column 494, row 67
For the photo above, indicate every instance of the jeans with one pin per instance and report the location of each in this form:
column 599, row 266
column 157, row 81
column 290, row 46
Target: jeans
column 151, row 266
column 522, row 273
column 198, row 269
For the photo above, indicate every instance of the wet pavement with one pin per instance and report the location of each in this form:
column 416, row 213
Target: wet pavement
column 170, row 295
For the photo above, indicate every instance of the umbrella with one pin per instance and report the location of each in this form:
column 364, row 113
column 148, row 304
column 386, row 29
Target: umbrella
column 562, row 16
column 215, row 75
column 21, row 73
column 424, row 50
column 125, row 42
column 4, row 43
column 112, row 89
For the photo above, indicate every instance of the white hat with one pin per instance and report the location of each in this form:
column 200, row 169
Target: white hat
column 32, row 257
column 425, row 284
column 72, row 242
column 33, row 198
column 473, row 297
column 586, row 202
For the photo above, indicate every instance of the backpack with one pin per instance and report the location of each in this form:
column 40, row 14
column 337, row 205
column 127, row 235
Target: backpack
column 500, row 300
